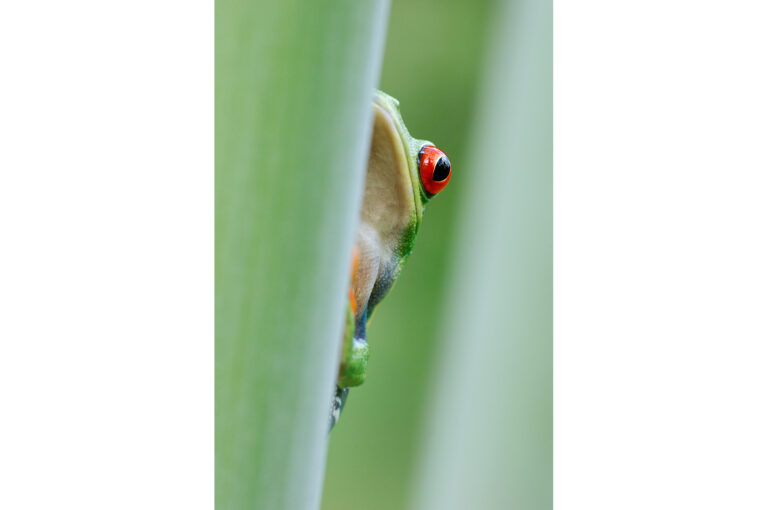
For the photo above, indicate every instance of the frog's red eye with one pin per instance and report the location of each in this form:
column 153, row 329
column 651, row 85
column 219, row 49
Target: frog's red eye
column 434, row 169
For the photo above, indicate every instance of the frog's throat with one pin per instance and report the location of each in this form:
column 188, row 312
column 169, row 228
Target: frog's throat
column 390, row 107
column 390, row 211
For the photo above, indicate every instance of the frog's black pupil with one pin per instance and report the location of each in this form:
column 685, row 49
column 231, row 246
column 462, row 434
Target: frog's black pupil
column 442, row 169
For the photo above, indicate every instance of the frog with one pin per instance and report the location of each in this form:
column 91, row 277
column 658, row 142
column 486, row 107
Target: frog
column 403, row 175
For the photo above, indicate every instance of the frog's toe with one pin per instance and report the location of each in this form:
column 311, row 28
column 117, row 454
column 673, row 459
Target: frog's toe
column 337, row 404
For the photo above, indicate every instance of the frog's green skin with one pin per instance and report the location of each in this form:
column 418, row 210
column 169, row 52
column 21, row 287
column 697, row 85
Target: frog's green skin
column 390, row 218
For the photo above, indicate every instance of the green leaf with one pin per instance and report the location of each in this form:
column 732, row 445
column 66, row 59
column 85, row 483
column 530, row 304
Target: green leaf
column 294, row 83
column 488, row 443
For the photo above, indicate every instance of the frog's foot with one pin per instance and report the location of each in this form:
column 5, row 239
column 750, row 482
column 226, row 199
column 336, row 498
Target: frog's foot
column 354, row 353
column 337, row 404
column 355, row 366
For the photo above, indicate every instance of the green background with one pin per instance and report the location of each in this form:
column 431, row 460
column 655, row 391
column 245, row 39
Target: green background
column 433, row 64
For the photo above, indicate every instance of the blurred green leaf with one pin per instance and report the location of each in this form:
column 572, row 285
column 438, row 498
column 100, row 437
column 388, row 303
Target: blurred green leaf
column 294, row 81
column 431, row 65
column 488, row 442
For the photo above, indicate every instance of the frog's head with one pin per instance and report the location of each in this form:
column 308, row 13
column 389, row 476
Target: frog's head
column 403, row 175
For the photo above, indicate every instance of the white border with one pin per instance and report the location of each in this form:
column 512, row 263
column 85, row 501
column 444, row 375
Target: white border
column 106, row 266
column 661, row 216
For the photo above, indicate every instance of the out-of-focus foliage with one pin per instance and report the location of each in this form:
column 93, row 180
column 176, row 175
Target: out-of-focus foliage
column 432, row 64
column 488, row 441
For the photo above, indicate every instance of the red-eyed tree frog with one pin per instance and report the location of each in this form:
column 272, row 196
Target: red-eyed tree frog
column 403, row 175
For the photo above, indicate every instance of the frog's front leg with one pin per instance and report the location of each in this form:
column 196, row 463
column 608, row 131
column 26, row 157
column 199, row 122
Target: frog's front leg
column 354, row 359
column 354, row 350
column 365, row 268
